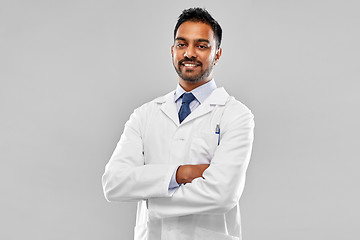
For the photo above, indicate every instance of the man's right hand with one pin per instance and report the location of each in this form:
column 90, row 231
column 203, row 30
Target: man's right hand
column 187, row 173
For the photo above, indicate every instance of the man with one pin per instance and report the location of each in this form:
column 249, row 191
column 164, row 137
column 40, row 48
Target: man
column 183, row 156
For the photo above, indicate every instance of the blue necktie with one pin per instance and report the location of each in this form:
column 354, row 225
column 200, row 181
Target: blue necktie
column 184, row 111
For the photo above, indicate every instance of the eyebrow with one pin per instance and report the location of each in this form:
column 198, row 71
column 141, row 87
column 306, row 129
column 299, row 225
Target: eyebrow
column 198, row 40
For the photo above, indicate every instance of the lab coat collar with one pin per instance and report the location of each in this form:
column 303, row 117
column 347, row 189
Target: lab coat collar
column 218, row 97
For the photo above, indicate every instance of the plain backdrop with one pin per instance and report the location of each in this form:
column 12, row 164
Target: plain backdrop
column 71, row 73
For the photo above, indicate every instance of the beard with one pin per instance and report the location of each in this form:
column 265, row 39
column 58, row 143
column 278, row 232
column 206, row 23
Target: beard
column 204, row 73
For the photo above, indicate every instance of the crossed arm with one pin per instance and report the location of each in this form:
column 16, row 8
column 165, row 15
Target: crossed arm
column 213, row 191
column 187, row 173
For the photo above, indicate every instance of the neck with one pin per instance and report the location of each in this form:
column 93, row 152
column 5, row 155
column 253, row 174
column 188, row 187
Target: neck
column 188, row 86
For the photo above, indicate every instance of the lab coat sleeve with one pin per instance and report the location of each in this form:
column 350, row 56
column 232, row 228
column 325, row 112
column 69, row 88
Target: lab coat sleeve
column 126, row 177
column 224, row 179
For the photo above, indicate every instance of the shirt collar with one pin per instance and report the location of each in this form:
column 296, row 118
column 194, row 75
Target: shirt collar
column 200, row 93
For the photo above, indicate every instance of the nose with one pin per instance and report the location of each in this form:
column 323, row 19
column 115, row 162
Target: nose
column 190, row 52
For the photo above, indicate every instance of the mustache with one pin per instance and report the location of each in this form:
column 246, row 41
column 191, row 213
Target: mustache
column 189, row 61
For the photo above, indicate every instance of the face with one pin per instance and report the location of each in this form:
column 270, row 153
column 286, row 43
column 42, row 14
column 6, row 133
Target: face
column 194, row 52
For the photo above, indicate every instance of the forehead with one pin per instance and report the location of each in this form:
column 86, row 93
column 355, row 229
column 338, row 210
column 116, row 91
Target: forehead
column 195, row 30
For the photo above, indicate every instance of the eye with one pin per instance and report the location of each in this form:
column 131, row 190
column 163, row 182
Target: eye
column 203, row 46
column 179, row 45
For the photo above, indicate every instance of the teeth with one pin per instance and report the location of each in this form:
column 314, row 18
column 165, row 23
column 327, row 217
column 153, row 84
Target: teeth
column 189, row 65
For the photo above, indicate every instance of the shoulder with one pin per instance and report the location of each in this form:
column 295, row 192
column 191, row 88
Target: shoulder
column 237, row 112
column 222, row 98
column 235, row 105
column 147, row 108
column 141, row 115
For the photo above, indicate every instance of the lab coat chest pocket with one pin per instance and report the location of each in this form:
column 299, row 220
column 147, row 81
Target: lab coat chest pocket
column 203, row 147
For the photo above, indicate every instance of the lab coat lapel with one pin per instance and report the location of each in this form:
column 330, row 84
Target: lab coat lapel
column 169, row 107
column 218, row 97
column 198, row 112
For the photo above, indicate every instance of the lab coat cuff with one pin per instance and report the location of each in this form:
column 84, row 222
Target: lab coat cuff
column 173, row 185
column 167, row 180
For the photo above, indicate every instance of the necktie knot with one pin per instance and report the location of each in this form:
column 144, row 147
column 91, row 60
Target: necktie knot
column 187, row 98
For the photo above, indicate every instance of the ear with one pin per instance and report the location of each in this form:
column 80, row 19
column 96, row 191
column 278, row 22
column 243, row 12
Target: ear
column 217, row 55
column 172, row 50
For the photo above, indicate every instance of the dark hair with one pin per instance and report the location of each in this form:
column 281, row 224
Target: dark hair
column 200, row 15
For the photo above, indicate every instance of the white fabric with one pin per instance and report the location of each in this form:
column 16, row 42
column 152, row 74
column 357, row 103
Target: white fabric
column 154, row 144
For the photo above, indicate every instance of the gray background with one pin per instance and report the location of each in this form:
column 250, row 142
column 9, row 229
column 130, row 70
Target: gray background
column 71, row 73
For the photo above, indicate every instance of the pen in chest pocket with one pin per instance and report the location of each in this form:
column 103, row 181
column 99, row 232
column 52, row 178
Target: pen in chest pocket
column 217, row 131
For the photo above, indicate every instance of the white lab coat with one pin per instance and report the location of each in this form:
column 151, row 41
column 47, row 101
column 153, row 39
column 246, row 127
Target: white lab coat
column 153, row 144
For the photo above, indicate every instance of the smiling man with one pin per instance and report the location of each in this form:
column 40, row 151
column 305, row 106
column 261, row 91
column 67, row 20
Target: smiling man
column 183, row 156
column 195, row 52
